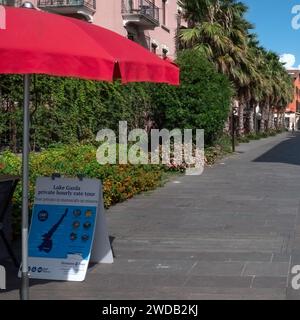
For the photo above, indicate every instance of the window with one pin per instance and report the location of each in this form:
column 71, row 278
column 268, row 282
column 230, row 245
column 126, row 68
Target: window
column 164, row 12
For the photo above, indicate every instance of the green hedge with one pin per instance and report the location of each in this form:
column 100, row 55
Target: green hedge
column 77, row 109
column 259, row 135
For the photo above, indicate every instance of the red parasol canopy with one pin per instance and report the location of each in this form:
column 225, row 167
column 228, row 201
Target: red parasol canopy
column 39, row 42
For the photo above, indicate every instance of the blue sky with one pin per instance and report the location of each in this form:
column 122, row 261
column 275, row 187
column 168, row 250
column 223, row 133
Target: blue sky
column 273, row 22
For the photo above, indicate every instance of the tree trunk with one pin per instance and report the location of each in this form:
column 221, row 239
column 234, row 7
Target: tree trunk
column 264, row 118
column 251, row 119
column 240, row 130
column 283, row 120
column 227, row 125
column 280, row 120
column 271, row 119
column 262, row 121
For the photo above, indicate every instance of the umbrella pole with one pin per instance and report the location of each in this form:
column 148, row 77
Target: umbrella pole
column 25, row 160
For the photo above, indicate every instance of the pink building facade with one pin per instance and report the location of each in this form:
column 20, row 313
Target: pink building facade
column 151, row 23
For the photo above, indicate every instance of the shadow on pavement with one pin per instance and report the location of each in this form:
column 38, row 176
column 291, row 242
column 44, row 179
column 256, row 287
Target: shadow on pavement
column 13, row 282
column 287, row 152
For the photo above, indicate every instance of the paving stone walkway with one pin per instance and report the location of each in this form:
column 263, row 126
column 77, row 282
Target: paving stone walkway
column 232, row 233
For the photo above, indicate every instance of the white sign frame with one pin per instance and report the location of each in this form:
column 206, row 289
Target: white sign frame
column 53, row 191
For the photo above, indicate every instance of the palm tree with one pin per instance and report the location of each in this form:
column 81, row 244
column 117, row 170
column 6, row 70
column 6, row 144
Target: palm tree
column 219, row 29
column 277, row 90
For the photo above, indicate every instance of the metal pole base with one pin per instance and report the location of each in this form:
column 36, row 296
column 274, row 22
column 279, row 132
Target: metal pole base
column 24, row 291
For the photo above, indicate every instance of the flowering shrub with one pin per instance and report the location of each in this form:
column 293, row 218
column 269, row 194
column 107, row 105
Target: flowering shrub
column 180, row 159
column 120, row 182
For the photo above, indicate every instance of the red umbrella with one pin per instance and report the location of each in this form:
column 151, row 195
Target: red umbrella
column 36, row 42
column 40, row 42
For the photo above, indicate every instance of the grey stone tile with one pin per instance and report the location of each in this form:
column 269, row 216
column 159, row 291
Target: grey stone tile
column 194, row 255
column 269, row 282
column 293, row 294
column 267, row 269
column 219, row 282
column 218, row 268
column 155, row 266
column 240, row 294
column 277, row 257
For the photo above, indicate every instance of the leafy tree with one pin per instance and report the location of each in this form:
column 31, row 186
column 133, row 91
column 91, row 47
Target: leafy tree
column 201, row 101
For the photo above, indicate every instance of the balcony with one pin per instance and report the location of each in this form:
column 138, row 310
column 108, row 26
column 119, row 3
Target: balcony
column 69, row 7
column 143, row 13
column 12, row 3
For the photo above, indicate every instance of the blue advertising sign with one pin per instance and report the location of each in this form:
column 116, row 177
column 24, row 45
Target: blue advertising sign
column 65, row 216
column 57, row 231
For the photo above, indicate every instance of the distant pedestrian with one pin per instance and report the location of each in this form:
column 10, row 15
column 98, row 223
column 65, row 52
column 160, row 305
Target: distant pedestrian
column 293, row 128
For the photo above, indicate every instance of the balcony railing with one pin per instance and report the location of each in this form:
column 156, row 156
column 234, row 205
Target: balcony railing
column 90, row 4
column 141, row 8
column 12, row 3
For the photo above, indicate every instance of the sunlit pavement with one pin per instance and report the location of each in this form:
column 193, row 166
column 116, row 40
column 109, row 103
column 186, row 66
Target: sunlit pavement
column 232, row 233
